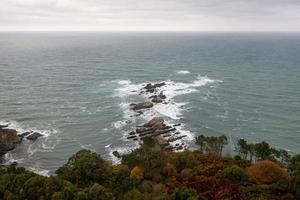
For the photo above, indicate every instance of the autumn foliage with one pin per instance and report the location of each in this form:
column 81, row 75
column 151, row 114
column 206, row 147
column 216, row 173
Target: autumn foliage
column 150, row 174
column 267, row 172
column 137, row 173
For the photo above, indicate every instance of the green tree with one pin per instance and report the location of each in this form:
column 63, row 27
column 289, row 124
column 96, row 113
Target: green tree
column 98, row 192
column 84, row 168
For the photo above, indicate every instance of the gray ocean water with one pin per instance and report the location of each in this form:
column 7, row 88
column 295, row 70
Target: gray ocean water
column 75, row 88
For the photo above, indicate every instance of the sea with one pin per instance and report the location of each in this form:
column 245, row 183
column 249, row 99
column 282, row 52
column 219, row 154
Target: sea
column 76, row 87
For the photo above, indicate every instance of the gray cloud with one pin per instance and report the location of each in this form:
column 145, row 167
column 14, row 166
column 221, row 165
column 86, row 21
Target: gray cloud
column 196, row 15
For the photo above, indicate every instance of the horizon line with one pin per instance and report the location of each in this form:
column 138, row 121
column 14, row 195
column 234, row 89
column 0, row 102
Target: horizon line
column 161, row 31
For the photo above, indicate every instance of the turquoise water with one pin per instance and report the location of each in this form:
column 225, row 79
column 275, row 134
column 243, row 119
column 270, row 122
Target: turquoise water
column 76, row 87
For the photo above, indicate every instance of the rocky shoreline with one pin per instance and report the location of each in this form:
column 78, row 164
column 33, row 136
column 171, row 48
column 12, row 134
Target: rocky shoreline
column 10, row 138
column 166, row 136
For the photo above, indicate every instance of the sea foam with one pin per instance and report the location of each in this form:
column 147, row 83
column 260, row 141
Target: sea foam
column 183, row 72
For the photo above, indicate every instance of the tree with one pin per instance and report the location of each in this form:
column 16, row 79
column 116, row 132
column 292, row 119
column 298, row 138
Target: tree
column 294, row 165
column 84, row 168
column 211, row 144
column 263, row 151
column 243, row 148
column 185, row 194
column 98, row 192
column 201, row 142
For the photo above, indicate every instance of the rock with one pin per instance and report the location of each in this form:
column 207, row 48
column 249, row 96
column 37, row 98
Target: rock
column 157, row 99
column 132, row 133
column 162, row 96
column 8, row 140
column 132, row 104
column 22, row 135
column 179, row 124
column 131, row 137
column 151, row 88
column 148, row 86
column 143, row 105
column 154, row 121
column 159, row 84
column 116, row 154
column 140, row 130
column 34, row 136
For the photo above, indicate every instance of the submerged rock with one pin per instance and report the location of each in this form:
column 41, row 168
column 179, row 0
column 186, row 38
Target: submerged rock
column 34, row 136
column 116, row 154
column 8, row 140
column 142, row 105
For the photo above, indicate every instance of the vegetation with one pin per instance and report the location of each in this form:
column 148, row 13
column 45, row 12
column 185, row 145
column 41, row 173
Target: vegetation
column 257, row 172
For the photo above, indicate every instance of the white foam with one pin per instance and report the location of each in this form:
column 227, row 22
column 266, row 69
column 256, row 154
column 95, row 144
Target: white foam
column 122, row 150
column 42, row 172
column 183, row 72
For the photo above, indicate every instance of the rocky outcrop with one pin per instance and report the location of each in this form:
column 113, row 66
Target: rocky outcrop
column 8, row 140
column 151, row 87
column 142, row 105
column 162, row 134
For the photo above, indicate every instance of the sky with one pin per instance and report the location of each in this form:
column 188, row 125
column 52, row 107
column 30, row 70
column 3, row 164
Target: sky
column 150, row 15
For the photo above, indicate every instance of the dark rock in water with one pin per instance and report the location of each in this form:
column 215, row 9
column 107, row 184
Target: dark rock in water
column 151, row 88
column 132, row 104
column 132, row 133
column 8, row 140
column 179, row 124
column 128, row 121
column 131, row 137
column 22, row 135
column 143, row 105
column 148, row 86
column 162, row 96
column 117, row 154
column 139, row 112
column 3, row 126
column 157, row 99
column 34, row 136
column 159, row 84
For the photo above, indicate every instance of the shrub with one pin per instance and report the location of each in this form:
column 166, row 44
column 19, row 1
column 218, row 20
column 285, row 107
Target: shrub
column 98, row 192
column 169, row 170
column 185, row 194
column 137, row 173
column 266, row 172
column 234, row 173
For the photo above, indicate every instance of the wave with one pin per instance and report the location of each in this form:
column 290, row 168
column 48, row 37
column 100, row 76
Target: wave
column 183, row 72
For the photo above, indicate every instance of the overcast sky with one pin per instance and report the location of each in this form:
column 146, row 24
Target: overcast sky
column 150, row 15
